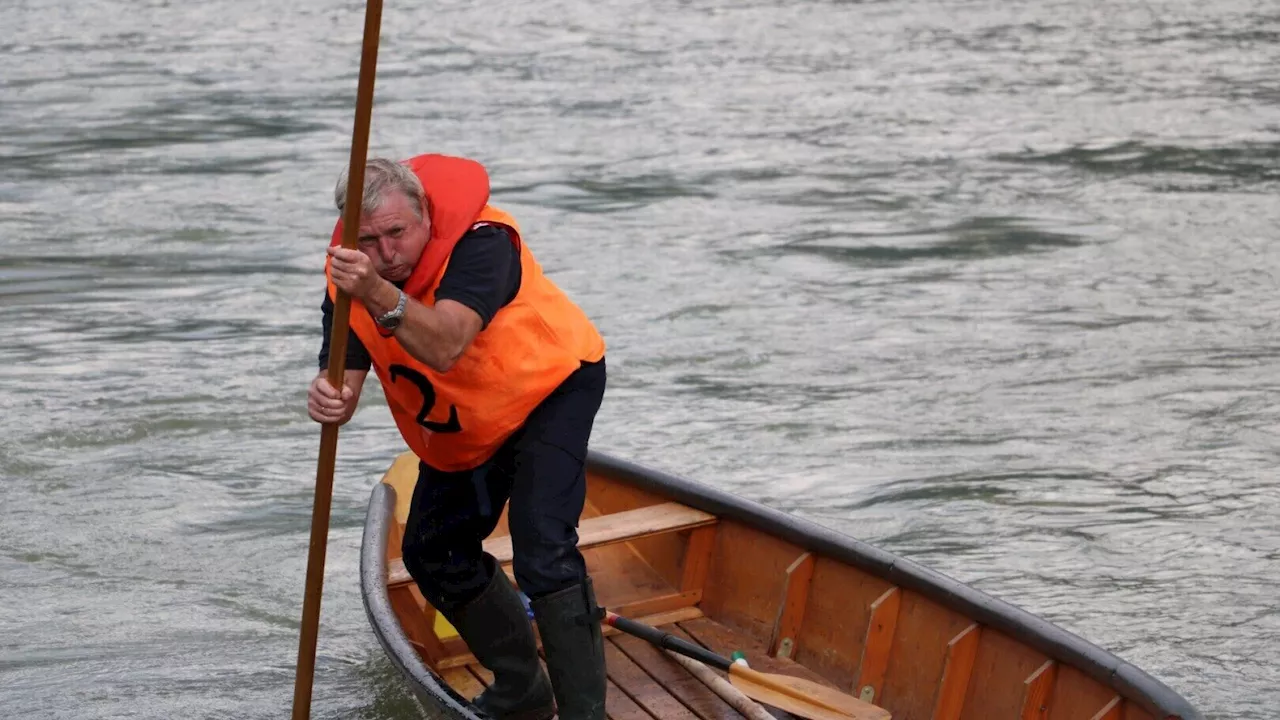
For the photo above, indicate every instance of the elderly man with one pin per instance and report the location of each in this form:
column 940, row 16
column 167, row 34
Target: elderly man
column 494, row 377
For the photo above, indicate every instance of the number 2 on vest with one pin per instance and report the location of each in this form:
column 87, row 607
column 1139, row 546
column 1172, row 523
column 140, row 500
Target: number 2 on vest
column 428, row 400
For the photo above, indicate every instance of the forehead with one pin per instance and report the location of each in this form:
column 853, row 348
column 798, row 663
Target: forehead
column 396, row 209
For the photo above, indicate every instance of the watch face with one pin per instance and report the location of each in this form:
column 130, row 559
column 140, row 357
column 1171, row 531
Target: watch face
column 390, row 323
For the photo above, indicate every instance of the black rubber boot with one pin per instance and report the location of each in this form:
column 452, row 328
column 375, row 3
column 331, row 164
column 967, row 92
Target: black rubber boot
column 569, row 622
column 497, row 631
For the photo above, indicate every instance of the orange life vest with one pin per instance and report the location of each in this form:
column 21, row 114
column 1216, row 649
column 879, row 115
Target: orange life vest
column 456, row 420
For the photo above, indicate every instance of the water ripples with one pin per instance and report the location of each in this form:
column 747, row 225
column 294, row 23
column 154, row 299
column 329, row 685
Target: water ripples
column 991, row 287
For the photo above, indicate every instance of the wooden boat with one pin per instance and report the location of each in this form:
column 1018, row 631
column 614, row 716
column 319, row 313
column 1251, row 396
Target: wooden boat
column 795, row 597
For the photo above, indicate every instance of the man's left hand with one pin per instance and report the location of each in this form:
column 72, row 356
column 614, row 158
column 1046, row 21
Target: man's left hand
column 352, row 271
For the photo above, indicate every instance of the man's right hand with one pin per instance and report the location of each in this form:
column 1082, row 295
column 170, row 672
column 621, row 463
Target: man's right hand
column 326, row 405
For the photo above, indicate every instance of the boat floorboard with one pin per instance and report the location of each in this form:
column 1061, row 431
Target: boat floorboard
column 645, row 684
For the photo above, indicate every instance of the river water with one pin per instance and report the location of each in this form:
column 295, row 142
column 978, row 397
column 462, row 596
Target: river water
column 991, row 285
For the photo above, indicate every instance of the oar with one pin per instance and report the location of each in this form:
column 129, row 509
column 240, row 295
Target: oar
column 738, row 700
column 795, row 695
column 337, row 370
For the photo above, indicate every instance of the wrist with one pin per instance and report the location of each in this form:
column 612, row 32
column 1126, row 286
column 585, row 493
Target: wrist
column 382, row 298
column 390, row 320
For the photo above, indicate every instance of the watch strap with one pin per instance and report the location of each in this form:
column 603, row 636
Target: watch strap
column 394, row 314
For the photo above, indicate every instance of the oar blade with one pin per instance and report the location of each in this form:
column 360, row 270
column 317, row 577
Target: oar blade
column 794, row 705
column 831, row 698
column 806, row 698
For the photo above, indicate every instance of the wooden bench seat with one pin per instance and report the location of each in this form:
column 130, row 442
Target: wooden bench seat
column 595, row 532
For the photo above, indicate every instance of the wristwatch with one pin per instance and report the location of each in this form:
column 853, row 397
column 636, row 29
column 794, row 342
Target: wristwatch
column 391, row 320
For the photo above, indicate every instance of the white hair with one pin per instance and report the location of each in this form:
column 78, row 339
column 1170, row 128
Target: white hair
column 380, row 176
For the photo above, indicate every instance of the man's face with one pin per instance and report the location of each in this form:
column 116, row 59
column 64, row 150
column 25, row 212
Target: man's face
column 393, row 237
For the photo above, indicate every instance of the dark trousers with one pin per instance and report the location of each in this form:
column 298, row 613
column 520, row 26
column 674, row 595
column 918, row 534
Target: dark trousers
column 541, row 470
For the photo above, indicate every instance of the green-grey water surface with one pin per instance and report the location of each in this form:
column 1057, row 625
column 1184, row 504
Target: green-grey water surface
column 990, row 285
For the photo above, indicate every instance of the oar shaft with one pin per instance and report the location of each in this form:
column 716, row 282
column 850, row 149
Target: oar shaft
column 749, row 708
column 337, row 369
column 668, row 641
column 315, row 574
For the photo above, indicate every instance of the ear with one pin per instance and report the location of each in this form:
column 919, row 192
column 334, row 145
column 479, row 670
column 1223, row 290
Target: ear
column 424, row 206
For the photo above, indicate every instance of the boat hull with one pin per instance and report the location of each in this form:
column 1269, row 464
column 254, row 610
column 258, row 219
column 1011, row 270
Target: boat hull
column 1065, row 661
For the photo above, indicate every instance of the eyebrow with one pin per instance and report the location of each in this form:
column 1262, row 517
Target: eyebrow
column 373, row 236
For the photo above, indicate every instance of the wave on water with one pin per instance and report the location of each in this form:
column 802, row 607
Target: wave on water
column 1234, row 166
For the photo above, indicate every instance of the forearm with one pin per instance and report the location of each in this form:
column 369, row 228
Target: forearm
column 424, row 332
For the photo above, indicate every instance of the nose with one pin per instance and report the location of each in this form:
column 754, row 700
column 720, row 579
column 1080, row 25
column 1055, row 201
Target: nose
column 385, row 248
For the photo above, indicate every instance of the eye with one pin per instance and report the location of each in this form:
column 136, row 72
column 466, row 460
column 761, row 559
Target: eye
column 396, row 232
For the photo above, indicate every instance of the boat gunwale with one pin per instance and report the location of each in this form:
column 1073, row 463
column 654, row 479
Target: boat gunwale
column 428, row 685
column 1131, row 682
